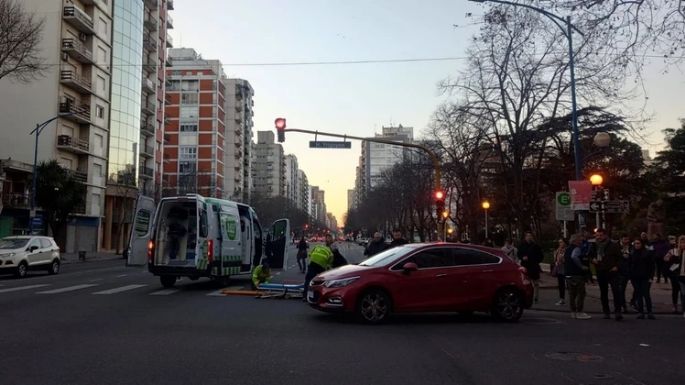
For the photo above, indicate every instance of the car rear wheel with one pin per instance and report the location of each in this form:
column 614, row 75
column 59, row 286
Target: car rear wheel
column 167, row 280
column 374, row 306
column 508, row 305
column 22, row 270
column 54, row 267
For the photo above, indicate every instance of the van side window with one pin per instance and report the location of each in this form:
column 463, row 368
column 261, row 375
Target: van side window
column 203, row 223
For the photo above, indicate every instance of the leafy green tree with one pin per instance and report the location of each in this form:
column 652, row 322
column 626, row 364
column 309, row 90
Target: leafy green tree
column 668, row 176
column 59, row 194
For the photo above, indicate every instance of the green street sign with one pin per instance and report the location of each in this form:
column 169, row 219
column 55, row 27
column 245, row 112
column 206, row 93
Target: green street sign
column 563, row 206
column 564, row 198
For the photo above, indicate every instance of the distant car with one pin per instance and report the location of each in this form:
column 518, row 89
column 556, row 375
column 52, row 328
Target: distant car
column 425, row 278
column 19, row 254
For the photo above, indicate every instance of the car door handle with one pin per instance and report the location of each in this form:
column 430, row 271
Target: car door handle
column 441, row 275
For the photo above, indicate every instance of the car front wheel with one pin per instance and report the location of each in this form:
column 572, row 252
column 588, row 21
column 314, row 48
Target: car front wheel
column 54, row 267
column 508, row 305
column 22, row 270
column 374, row 306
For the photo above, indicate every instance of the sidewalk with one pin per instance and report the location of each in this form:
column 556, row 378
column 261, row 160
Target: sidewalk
column 660, row 292
column 91, row 256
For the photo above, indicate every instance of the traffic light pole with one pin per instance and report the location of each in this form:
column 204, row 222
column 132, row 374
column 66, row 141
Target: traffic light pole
column 437, row 171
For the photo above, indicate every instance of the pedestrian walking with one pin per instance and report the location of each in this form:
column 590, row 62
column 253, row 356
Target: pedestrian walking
column 320, row 260
column 302, row 248
column 606, row 261
column 531, row 257
column 641, row 272
column 376, row 245
column 675, row 265
column 397, row 239
column 559, row 271
column 576, row 269
column 510, row 250
column 624, row 271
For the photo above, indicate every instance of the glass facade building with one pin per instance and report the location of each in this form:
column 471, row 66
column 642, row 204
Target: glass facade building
column 127, row 62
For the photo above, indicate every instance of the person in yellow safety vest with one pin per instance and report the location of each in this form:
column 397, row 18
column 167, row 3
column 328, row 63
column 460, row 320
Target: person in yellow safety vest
column 320, row 260
column 261, row 274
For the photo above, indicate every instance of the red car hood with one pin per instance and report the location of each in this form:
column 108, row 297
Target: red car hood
column 345, row 271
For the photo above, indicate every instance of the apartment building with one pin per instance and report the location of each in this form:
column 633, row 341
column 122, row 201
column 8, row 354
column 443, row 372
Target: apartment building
column 304, row 193
column 194, row 130
column 268, row 166
column 75, row 88
column 292, row 190
column 239, row 134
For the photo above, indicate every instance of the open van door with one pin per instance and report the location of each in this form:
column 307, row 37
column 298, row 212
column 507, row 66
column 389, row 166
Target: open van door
column 280, row 232
column 140, row 231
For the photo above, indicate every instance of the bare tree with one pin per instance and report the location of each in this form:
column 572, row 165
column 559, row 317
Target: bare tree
column 20, row 36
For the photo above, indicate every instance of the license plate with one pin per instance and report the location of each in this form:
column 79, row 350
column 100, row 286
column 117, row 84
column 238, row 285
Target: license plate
column 310, row 295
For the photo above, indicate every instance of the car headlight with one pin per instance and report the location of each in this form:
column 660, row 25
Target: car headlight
column 340, row 282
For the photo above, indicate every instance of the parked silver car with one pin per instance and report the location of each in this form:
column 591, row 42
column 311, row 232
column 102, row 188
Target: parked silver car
column 18, row 254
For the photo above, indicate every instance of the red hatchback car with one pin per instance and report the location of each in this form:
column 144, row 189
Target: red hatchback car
column 431, row 277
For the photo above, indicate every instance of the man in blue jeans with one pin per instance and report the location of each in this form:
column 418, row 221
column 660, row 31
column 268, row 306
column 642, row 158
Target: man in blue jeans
column 606, row 260
column 576, row 268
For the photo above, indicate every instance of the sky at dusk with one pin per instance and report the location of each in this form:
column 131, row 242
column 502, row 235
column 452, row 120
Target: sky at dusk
column 354, row 99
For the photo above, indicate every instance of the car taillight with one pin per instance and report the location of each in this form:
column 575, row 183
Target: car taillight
column 210, row 250
column 150, row 250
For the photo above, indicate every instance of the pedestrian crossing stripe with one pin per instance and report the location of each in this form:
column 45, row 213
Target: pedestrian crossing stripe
column 119, row 289
column 165, row 292
column 20, row 288
column 66, row 289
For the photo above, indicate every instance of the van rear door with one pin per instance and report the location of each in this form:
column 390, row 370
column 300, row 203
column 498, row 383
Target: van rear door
column 280, row 232
column 140, row 231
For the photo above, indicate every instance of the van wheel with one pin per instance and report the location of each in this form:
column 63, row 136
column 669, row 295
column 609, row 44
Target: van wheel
column 374, row 306
column 167, row 280
column 508, row 305
column 22, row 270
column 54, row 267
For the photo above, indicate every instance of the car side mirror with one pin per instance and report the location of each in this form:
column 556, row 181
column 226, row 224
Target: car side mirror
column 33, row 248
column 409, row 267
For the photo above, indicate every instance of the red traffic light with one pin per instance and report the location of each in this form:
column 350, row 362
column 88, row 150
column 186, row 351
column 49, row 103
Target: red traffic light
column 439, row 195
column 280, row 124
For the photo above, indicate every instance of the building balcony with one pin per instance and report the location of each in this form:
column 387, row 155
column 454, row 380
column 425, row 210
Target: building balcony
column 152, row 62
column 17, row 201
column 152, row 3
column 74, row 145
column 78, row 114
column 150, row 44
column 150, row 23
column 148, row 86
column 77, row 50
column 169, row 22
column 79, row 175
column 169, row 41
column 238, row 108
column 147, row 128
column 78, row 19
column 146, row 172
column 170, row 5
column 148, row 108
column 169, row 62
column 147, row 151
column 72, row 79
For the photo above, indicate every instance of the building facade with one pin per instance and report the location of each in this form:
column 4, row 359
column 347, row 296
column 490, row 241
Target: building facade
column 378, row 157
column 194, row 131
column 268, row 166
column 292, row 188
column 239, row 134
column 304, row 195
column 77, row 46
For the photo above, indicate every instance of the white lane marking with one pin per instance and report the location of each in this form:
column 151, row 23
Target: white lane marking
column 122, row 275
column 66, row 289
column 119, row 289
column 218, row 293
column 95, row 280
column 11, row 289
column 165, row 292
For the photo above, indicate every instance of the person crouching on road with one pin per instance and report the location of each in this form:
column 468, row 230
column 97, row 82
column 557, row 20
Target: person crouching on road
column 320, row 260
column 641, row 272
column 576, row 269
column 606, row 262
column 261, row 274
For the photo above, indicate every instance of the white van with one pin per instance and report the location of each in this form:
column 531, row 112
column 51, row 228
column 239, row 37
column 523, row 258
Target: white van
column 193, row 236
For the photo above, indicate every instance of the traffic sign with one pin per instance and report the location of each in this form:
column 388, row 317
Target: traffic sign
column 564, row 212
column 595, row 206
column 329, row 144
column 617, row 206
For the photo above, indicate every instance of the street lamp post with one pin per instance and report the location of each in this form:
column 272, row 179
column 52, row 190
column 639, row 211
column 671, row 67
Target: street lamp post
column 486, row 206
column 37, row 131
column 597, row 181
column 567, row 29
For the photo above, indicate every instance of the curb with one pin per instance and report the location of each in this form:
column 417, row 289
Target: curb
column 72, row 261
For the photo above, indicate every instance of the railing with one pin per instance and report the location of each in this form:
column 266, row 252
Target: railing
column 147, row 171
column 170, row 5
column 150, row 23
column 72, row 77
column 147, row 127
column 72, row 12
column 74, row 45
column 82, row 112
column 150, row 44
column 169, row 22
column 148, row 85
column 16, row 200
column 79, row 176
column 147, row 150
column 169, row 41
column 73, row 143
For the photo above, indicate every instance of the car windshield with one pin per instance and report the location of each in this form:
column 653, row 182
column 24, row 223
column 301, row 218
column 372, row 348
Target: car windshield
column 388, row 256
column 13, row 243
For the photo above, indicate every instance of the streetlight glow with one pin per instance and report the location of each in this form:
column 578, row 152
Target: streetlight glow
column 596, row 179
column 485, row 205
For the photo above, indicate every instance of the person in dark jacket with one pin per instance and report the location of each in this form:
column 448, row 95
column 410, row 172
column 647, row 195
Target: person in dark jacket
column 641, row 272
column 576, row 268
column 624, row 270
column 397, row 239
column 530, row 254
column 606, row 261
column 659, row 247
column 376, row 245
column 302, row 248
column 338, row 258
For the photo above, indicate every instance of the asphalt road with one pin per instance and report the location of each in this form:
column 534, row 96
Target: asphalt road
column 104, row 323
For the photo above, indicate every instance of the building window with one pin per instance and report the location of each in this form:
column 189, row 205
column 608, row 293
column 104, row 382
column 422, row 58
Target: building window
column 188, row 153
column 188, row 127
column 189, row 98
column 189, row 113
column 103, row 28
column 100, row 111
column 186, row 167
column 102, row 85
column 99, row 141
column 189, row 85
